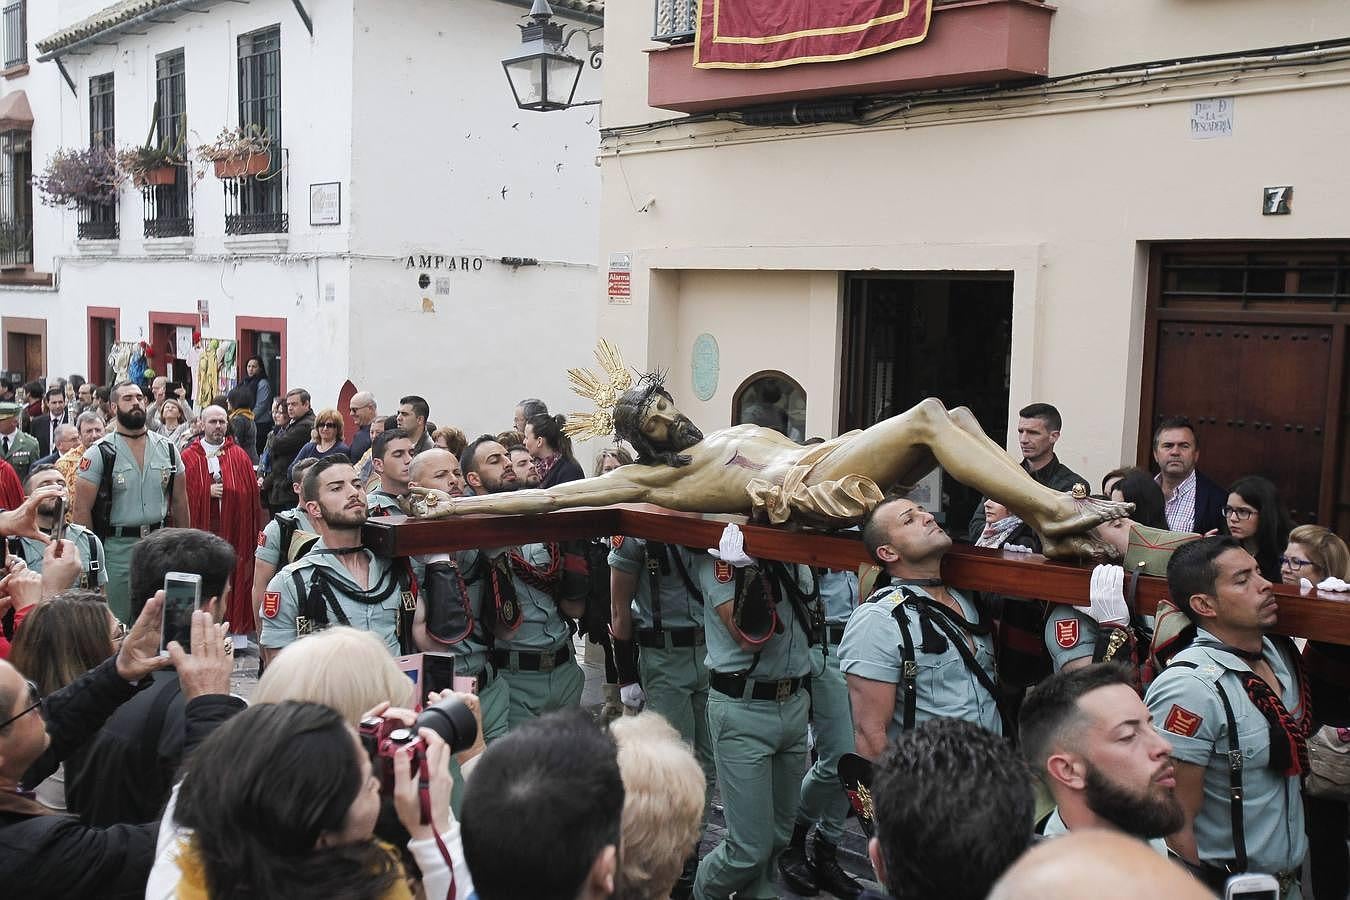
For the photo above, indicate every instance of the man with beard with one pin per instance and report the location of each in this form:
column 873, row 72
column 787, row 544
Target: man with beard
column 391, row 454
column 916, row 649
column 748, row 469
column 1093, row 742
column 286, row 538
column 130, row 482
column 527, row 474
column 93, row 573
column 1235, row 706
column 533, row 651
column 338, row 582
column 453, row 616
column 223, row 499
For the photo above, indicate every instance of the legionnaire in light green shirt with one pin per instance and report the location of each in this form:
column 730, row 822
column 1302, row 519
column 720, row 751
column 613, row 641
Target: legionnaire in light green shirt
column 18, row 448
column 93, row 565
column 1234, row 693
column 759, row 658
column 941, row 664
column 338, row 582
column 391, row 456
column 130, row 483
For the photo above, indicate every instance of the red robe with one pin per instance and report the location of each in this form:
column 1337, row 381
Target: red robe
column 11, row 489
column 239, row 519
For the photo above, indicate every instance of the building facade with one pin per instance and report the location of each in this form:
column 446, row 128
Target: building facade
column 409, row 231
column 1127, row 212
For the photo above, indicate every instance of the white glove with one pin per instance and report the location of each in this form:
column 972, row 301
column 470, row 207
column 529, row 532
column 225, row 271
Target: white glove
column 633, row 696
column 1108, row 596
column 731, row 549
column 1333, row 584
column 1017, row 548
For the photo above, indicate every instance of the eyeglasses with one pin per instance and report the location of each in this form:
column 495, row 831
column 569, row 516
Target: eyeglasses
column 327, row 424
column 34, row 702
column 1294, row 562
column 1241, row 513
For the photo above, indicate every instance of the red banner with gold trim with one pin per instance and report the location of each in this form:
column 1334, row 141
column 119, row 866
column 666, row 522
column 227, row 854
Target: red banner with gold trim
column 765, row 34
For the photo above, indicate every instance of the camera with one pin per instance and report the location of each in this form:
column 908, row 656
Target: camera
column 382, row 738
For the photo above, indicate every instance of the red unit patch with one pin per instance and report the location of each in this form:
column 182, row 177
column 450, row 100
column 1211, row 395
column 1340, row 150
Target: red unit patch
column 1066, row 633
column 722, row 571
column 271, row 603
column 84, row 464
column 616, row 542
column 262, row 539
column 1182, row 721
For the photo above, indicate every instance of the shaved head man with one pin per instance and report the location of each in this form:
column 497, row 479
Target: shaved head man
column 1096, row 865
column 437, row 468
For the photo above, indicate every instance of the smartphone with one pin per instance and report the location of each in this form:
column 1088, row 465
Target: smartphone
column 1252, row 887
column 59, row 524
column 182, row 596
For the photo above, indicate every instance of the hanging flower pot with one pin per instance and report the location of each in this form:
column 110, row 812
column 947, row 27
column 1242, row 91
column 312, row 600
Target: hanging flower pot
column 164, row 175
column 242, row 166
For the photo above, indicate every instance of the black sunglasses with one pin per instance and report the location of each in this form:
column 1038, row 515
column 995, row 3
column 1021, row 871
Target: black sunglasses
column 34, row 700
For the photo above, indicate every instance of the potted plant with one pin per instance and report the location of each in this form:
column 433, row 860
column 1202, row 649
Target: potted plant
column 83, row 176
column 239, row 152
column 154, row 164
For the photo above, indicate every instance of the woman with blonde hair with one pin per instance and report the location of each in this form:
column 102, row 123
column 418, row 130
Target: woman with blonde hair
column 662, row 806
column 327, row 438
column 344, row 668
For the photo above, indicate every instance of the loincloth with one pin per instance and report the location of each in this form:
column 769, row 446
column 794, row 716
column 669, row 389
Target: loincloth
column 841, row 502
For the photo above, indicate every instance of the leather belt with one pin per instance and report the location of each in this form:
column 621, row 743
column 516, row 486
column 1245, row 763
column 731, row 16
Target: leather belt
column 531, row 660
column 670, row 637
column 834, row 633
column 133, row 531
column 744, row 688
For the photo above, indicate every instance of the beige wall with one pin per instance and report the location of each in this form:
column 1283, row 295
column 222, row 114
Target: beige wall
column 750, row 228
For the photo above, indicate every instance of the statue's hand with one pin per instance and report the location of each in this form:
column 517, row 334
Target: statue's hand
column 428, row 503
column 731, row 548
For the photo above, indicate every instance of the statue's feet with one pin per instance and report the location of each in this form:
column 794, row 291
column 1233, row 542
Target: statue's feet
column 1083, row 547
column 1079, row 514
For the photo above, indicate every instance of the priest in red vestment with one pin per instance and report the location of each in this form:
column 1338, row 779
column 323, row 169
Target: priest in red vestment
column 11, row 489
column 222, row 492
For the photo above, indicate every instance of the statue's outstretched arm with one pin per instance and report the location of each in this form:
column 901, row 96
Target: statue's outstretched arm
column 619, row 486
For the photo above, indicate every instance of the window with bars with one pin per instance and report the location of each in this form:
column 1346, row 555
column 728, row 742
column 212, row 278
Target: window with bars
column 168, row 207
column 16, row 33
column 98, row 221
column 257, row 204
column 16, row 199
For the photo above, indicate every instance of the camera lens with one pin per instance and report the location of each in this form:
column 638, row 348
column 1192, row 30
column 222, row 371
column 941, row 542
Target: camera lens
column 453, row 721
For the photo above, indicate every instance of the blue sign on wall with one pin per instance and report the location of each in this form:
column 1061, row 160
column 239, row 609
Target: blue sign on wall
column 707, row 365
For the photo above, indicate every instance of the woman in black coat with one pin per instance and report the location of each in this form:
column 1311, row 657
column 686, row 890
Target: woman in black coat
column 552, row 450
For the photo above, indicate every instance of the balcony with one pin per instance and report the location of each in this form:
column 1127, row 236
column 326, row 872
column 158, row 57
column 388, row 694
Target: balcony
column 168, row 207
column 969, row 42
column 16, row 243
column 257, row 204
column 97, row 222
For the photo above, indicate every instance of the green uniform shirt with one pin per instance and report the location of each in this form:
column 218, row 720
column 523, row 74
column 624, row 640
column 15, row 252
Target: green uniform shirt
column 839, row 593
column 785, row 655
column 1187, row 710
column 1070, row 634
column 946, row 689
column 281, row 603
column 23, row 452
column 679, row 609
column 140, row 495
column 542, row 626
column 95, row 576
column 269, row 549
column 378, row 503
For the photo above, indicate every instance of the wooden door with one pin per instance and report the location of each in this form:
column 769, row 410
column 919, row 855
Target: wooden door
column 1256, row 394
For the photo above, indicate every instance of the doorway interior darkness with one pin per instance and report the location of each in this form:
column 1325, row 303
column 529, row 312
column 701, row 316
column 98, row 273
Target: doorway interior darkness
column 909, row 336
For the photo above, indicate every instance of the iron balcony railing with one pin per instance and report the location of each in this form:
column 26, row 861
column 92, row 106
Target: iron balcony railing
column 16, row 243
column 256, row 204
column 97, row 222
column 675, row 21
column 168, row 207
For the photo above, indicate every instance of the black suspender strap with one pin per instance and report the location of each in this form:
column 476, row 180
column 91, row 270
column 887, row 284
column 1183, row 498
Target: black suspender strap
column 653, row 551
column 909, row 669
column 1235, row 763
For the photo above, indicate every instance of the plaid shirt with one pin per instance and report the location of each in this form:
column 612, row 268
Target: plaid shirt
column 1180, row 507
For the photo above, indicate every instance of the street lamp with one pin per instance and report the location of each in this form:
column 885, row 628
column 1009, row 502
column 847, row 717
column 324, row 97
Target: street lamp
column 544, row 76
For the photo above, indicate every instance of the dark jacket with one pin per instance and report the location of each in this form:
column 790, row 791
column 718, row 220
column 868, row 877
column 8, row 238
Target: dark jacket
column 284, row 446
column 51, row 855
column 360, row 443
column 245, row 432
column 126, row 772
column 1210, row 499
column 41, row 428
column 563, row 470
column 1054, row 475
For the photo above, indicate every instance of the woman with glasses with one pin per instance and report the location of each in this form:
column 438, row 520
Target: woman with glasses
column 328, row 438
column 1256, row 516
column 1315, row 553
column 61, row 639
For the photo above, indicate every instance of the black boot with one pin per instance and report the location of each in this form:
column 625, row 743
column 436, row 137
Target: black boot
column 794, row 866
column 830, row 876
column 684, row 885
